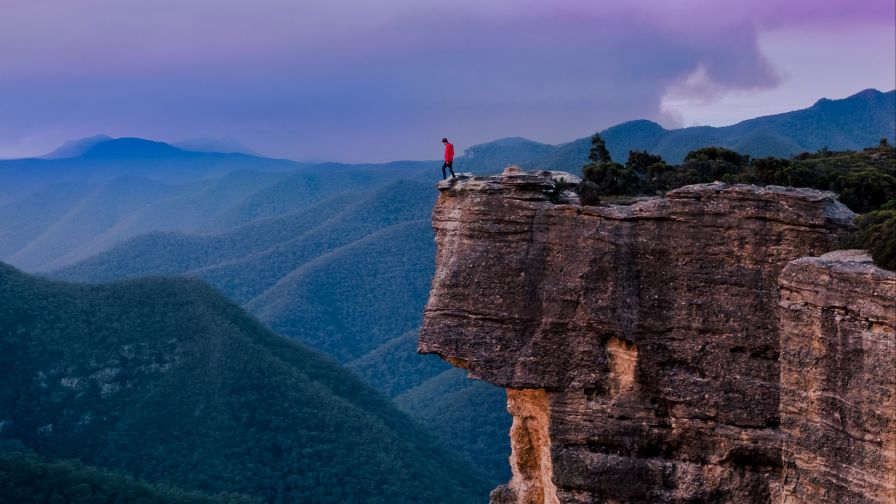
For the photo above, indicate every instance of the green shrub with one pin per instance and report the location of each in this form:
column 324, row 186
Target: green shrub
column 877, row 234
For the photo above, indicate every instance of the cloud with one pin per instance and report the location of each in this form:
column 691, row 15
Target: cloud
column 353, row 80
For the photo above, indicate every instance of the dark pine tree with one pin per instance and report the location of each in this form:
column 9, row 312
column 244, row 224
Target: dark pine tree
column 598, row 152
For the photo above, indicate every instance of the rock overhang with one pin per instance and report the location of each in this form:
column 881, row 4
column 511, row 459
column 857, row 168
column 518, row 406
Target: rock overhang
column 513, row 260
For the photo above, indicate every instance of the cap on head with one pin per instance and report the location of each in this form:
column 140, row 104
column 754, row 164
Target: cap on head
column 444, row 140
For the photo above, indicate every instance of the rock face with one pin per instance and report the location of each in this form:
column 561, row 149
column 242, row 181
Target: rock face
column 639, row 344
column 838, row 380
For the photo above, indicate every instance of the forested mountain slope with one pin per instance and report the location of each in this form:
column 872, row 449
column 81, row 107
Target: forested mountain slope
column 167, row 380
column 26, row 478
column 346, row 276
column 73, row 208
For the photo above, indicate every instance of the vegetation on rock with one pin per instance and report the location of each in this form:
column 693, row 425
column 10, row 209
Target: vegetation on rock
column 865, row 181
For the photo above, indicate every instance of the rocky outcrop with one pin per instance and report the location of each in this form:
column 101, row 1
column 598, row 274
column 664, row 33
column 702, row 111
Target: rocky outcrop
column 838, row 380
column 639, row 344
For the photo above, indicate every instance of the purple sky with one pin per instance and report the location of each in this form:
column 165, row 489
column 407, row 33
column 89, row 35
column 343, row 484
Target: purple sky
column 373, row 81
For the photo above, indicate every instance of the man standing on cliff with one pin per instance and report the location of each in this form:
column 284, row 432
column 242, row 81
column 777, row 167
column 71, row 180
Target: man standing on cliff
column 449, row 159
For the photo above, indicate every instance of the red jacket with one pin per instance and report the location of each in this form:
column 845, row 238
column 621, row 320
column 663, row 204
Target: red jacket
column 449, row 153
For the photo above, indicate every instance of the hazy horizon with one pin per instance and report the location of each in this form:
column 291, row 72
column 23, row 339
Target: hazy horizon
column 240, row 147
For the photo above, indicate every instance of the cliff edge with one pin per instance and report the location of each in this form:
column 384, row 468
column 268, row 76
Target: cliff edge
column 639, row 344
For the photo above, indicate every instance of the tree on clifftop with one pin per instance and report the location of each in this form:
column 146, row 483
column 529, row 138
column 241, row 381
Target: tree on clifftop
column 598, row 152
column 603, row 176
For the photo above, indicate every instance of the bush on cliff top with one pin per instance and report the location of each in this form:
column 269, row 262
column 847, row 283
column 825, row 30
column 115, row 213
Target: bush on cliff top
column 864, row 181
column 877, row 234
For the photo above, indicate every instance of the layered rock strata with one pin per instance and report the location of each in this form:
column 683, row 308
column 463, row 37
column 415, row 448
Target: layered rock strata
column 639, row 344
column 838, row 380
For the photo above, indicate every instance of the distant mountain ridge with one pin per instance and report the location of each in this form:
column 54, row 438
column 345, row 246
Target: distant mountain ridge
column 81, row 146
column 93, row 161
column 225, row 145
column 133, row 148
column 851, row 123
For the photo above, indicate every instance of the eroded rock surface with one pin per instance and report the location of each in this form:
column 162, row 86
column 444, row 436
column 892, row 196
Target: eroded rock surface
column 838, row 380
column 647, row 333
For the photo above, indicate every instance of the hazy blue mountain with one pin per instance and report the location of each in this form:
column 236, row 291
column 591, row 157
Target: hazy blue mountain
column 166, row 380
column 171, row 253
column 134, row 148
column 852, row 123
column 249, row 277
column 96, row 159
column 59, row 223
column 65, row 238
column 185, row 209
column 106, row 160
column 74, row 148
column 23, row 220
column 253, row 258
column 301, row 190
column 225, row 145
column 64, row 222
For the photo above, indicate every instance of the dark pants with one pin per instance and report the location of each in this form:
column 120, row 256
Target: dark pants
column 448, row 164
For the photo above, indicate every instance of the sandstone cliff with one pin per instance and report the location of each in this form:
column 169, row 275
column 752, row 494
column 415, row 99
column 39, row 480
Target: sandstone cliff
column 838, row 380
column 639, row 344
